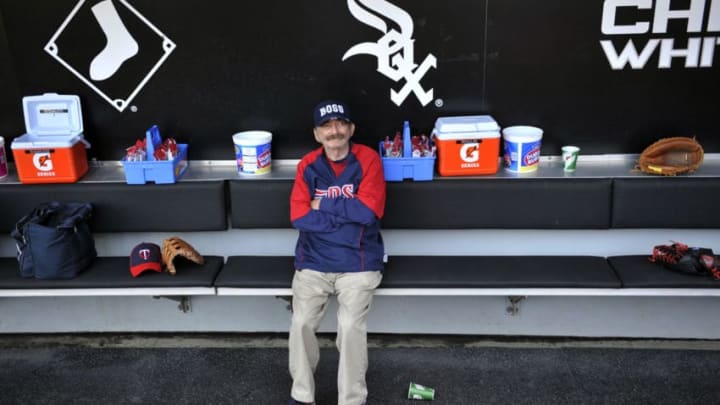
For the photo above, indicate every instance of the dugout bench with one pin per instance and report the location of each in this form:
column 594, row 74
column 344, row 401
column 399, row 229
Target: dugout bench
column 451, row 203
column 495, row 203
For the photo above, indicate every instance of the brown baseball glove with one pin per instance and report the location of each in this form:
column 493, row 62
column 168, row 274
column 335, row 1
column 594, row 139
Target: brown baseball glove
column 671, row 156
column 173, row 247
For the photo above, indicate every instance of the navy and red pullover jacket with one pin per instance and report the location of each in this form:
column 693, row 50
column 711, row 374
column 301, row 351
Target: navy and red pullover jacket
column 344, row 234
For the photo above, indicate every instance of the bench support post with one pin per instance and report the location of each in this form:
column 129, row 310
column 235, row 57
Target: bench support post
column 287, row 299
column 514, row 301
column 184, row 303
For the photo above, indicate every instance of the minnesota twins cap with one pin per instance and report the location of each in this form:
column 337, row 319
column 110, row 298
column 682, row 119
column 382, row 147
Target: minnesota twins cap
column 331, row 109
column 145, row 256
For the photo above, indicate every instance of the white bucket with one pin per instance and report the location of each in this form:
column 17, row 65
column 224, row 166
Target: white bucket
column 522, row 148
column 252, row 151
column 3, row 159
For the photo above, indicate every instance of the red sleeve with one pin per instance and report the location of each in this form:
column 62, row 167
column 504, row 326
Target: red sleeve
column 300, row 195
column 372, row 186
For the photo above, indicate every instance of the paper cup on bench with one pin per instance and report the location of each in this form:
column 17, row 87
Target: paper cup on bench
column 569, row 157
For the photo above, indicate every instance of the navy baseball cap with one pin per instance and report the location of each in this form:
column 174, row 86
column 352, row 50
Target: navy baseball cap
column 330, row 109
column 145, row 256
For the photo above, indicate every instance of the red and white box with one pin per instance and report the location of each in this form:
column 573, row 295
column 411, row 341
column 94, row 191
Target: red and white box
column 54, row 149
column 467, row 145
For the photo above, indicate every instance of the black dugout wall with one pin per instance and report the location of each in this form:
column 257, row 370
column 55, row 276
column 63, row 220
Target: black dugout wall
column 609, row 76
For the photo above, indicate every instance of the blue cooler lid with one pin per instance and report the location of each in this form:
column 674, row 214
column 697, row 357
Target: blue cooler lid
column 52, row 114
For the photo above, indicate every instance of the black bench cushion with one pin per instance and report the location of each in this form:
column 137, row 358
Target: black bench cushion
column 257, row 272
column 666, row 202
column 114, row 272
column 449, row 204
column 638, row 272
column 499, row 272
column 441, row 272
column 118, row 207
column 260, row 203
column 499, row 203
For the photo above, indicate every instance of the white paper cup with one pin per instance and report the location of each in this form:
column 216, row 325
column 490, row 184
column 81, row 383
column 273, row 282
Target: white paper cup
column 569, row 157
column 421, row 392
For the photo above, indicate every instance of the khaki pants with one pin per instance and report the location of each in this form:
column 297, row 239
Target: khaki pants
column 311, row 291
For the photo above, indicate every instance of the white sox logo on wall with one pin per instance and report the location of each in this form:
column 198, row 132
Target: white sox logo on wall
column 120, row 47
column 696, row 51
column 394, row 50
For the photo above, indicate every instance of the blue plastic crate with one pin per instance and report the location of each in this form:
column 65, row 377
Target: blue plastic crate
column 417, row 169
column 407, row 167
column 157, row 171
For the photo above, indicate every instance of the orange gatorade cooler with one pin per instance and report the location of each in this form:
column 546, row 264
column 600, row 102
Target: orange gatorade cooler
column 53, row 149
column 467, row 145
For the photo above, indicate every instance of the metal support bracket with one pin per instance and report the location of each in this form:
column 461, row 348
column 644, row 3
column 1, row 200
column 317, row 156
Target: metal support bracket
column 514, row 301
column 288, row 299
column 184, row 302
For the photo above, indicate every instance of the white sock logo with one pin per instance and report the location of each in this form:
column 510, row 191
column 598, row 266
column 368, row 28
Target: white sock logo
column 394, row 50
column 120, row 46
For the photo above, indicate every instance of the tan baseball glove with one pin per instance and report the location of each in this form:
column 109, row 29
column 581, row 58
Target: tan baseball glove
column 671, row 156
column 174, row 247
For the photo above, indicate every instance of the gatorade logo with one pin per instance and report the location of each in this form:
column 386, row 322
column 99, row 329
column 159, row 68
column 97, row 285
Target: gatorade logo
column 470, row 152
column 42, row 161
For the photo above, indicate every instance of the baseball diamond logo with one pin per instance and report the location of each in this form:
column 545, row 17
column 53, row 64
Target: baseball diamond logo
column 121, row 47
column 394, row 50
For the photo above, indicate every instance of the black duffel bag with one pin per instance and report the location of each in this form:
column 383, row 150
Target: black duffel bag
column 54, row 241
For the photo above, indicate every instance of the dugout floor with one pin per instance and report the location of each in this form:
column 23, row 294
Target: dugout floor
column 252, row 369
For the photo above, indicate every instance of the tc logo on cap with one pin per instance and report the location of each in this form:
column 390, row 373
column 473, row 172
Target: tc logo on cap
column 145, row 256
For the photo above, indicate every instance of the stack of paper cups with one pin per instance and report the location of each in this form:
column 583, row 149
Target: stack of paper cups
column 3, row 159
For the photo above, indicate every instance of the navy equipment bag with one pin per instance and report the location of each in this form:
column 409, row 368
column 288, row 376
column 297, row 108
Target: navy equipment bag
column 54, row 241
